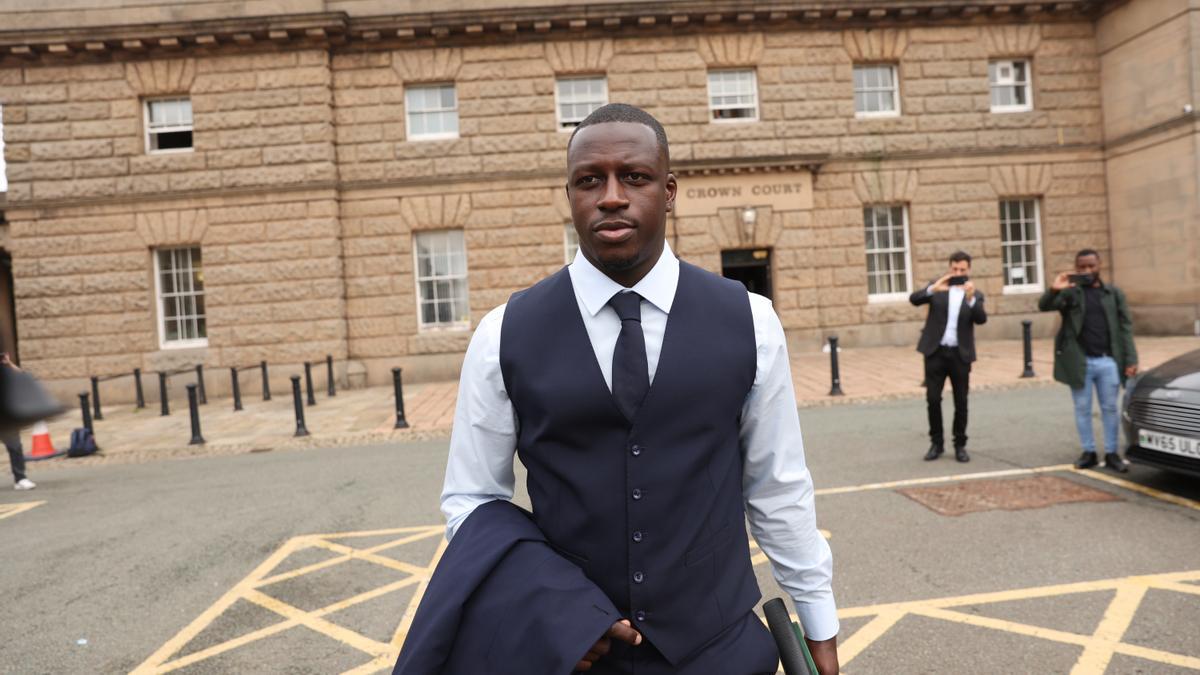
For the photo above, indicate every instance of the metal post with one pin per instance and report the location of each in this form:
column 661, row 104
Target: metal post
column 87, row 412
column 96, row 398
column 137, row 387
column 266, row 382
column 237, row 389
column 836, row 388
column 194, row 412
column 1027, row 336
column 162, row 395
column 200, row 383
column 301, row 430
column 401, row 423
column 312, row 400
column 329, row 374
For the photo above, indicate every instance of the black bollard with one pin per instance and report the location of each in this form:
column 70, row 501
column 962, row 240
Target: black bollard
column 329, row 373
column 87, row 412
column 237, row 389
column 301, row 430
column 162, row 395
column 194, row 412
column 836, row 388
column 96, row 398
column 312, row 400
column 137, row 388
column 266, row 382
column 401, row 423
column 1027, row 336
column 200, row 383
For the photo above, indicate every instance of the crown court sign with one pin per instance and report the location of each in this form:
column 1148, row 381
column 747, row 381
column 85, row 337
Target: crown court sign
column 704, row 195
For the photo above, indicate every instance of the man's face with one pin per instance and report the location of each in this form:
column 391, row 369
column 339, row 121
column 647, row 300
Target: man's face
column 1088, row 264
column 620, row 191
column 960, row 268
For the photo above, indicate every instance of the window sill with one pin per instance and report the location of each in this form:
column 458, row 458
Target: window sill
column 171, row 151
column 443, row 328
column 434, row 137
column 876, row 115
column 734, row 120
column 1029, row 289
column 183, row 344
column 1003, row 110
column 885, row 298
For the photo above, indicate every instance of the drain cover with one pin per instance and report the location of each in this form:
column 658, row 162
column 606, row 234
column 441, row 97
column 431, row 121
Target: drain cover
column 1008, row 494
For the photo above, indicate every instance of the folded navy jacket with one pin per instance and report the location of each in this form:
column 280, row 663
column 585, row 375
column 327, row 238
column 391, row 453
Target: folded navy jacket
column 501, row 601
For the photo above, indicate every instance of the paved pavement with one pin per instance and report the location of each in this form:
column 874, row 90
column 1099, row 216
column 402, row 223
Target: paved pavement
column 367, row 415
column 313, row 560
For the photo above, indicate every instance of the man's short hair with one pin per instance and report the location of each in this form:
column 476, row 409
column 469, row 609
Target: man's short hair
column 623, row 112
column 959, row 256
column 1088, row 251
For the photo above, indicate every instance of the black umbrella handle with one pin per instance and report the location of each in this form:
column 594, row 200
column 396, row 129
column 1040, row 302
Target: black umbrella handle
column 791, row 652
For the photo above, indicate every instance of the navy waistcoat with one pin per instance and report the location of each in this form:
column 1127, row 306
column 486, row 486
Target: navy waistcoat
column 652, row 510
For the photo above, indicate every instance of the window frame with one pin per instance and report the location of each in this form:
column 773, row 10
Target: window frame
column 422, row 326
column 1020, row 289
column 147, row 133
column 753, row 91
column 874, row 298
column 163, row 342
column 1028, row 85
column 408, row 112
column 570, row 242
column 895, row 90
column 558, row 102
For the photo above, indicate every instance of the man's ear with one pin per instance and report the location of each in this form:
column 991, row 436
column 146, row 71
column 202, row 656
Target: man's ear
column 672, row 192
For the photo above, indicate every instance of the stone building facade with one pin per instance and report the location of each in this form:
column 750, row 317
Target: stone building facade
column 367, row 179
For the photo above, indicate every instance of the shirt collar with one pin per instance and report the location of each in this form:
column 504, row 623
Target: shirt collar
column 595, row 288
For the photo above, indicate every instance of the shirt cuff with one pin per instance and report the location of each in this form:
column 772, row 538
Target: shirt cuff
column 818, row 618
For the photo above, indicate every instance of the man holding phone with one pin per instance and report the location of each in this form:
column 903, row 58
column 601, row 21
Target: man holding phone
column 1093, row 350
column 948, row 343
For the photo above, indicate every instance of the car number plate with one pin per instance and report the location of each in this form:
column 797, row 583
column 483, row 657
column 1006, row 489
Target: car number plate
column 1176, row 445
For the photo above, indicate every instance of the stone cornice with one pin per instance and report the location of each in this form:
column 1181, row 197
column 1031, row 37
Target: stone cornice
column 485, row 26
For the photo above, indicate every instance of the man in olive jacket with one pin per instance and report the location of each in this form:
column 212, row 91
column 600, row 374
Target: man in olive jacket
column 1093, row 350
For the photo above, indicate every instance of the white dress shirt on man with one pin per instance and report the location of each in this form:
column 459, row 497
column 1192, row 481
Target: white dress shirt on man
column 950, row 337
column 776, row 483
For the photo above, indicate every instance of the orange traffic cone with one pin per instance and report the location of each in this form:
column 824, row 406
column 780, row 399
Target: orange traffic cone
column 42, row 447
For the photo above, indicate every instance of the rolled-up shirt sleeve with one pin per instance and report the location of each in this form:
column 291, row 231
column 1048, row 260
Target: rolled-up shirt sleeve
column 777, row 485
column 479, row 468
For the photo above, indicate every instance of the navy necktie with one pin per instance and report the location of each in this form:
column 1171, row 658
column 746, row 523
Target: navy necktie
column 630, row 372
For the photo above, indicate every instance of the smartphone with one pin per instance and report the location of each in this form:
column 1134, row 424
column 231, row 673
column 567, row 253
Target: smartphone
column 1082, row 279
column 957, row 281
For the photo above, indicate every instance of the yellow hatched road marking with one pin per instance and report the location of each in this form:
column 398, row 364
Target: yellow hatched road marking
column 847, row 489
column 1137, row 487
column 10, row 510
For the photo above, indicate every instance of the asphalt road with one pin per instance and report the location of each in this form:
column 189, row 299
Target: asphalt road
column 104, row 576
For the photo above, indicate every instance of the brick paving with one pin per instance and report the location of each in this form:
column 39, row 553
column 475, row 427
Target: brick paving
column 367, row 415
column 1009, row 494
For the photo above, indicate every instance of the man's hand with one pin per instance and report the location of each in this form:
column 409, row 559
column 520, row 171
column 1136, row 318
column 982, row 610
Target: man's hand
column 969, row 290
column 941, row 285
column 1131, row 370
column 621, row 630
column 1061, row 282
column 824, row 655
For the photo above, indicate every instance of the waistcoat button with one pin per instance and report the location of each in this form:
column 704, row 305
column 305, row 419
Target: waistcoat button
column 637, row 493
column 640, row 615
column 636, row 450
column 637, row 536
column 638, row 577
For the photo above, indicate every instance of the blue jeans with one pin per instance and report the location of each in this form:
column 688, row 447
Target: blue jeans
column 1103, row 376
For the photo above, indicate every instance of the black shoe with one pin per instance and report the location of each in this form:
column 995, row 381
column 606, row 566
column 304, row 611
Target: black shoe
column 960, row 453
column 1086, row 461
column 935, row 451
column 1113, row 461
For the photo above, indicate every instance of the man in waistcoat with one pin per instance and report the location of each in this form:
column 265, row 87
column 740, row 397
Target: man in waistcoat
column 651, row 403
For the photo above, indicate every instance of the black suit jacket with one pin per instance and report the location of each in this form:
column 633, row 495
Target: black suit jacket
column 935, row 322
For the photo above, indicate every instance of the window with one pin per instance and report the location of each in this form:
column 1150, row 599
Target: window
column 876, row 91
column 1021, row 241
column 888, row 275
column 1011, row 91
column 169, row 125
column 432, row 111
column 442, row 279
column 733, row 95
column 179, row 280
column 570, row 242
column 577, row 98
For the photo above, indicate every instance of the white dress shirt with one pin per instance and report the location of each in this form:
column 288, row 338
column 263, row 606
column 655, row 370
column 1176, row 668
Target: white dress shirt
column 775, row 481
column 950, row 337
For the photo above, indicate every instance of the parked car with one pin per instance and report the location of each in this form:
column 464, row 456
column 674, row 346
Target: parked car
column 1162, row 416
